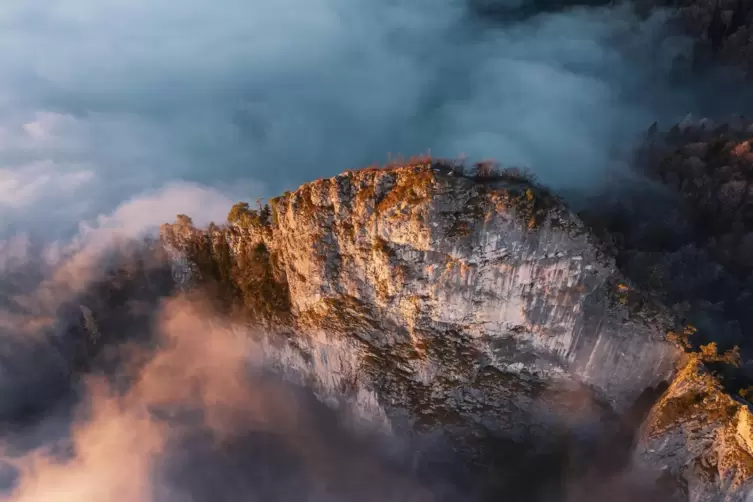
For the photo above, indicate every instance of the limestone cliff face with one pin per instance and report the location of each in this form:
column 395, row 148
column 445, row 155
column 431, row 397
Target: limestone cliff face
column 433, row 300
column 700, row 439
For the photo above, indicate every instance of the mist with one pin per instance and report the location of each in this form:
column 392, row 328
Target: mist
column 193, row 408
column 103, row 100
column 115, row 116
column 197, row 419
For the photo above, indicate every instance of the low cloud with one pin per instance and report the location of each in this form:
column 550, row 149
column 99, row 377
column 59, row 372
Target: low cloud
column 198, row 420
column 43, row 281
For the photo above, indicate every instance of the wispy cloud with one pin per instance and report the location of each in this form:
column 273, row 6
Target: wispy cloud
column 100, row 100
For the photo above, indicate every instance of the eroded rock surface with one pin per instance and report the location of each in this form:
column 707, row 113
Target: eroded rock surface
column 699, row 439
column 438, row 302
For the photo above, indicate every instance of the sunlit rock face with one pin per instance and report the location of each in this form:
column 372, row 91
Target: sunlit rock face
column 437, row 302
column 699, row 439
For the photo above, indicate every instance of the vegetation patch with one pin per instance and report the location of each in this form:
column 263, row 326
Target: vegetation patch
column 348, row 230
column 412, row 187
column 342, row 312
column 382, row 247
column 675, row 411
column 302, row 202
column 274, row 206
column 682, row 336
column 243, row 216
column 366, row 193
column 460, row 228
column 532, row 204
column 249, row 281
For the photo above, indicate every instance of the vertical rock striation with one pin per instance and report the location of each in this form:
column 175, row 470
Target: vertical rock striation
column 437, row 301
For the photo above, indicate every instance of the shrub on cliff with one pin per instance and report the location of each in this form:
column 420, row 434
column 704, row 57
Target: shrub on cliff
column 492, row 170
column 240, row 214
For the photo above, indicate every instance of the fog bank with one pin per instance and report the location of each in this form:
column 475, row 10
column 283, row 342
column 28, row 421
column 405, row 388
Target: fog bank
column 103, row 100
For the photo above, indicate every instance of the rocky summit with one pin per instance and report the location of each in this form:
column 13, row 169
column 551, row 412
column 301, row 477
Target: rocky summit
column 474, row 307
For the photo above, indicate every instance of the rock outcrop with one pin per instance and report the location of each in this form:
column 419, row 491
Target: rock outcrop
column 475, row 306
column 472, row 307
column 695, row 258
column 699, row 439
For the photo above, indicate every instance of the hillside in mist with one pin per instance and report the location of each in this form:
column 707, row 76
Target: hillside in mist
column 571, row 326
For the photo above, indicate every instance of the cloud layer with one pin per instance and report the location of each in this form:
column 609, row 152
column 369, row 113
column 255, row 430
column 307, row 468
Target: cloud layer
column 101, row 100
column 117, row 115
column 198, row 420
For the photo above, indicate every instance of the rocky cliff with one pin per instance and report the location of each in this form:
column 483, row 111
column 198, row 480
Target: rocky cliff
column 469, row 307
column 699, row 438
